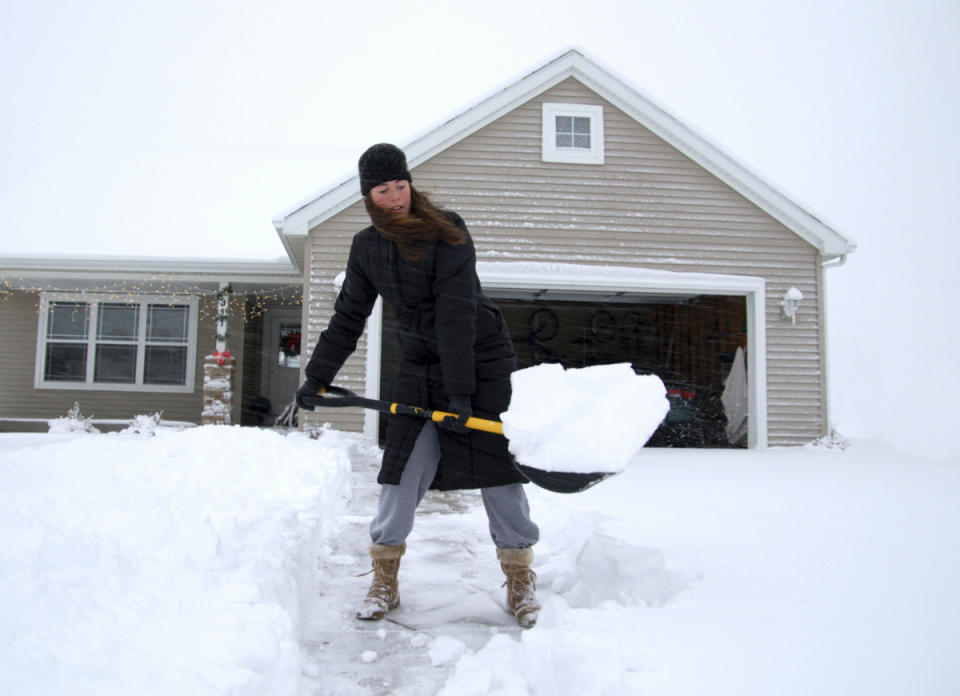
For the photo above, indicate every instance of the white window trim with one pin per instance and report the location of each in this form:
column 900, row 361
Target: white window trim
column 551, row 153
column 89, row 385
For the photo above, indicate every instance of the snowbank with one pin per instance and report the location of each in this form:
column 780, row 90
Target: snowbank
column 789, row 571
column 224, row 560
column 172, row 563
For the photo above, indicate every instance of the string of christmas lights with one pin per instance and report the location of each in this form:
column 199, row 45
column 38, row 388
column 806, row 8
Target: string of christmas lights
column 248, row 304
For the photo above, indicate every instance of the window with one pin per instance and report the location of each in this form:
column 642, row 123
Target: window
column 573, row 133
column 144, row 344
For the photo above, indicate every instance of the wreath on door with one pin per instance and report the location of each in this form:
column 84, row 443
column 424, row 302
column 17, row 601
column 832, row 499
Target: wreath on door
column 290, row 342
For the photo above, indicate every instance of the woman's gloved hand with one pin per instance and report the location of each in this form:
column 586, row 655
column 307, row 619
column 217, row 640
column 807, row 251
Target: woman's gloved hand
column 309, row 388
column 464, row 410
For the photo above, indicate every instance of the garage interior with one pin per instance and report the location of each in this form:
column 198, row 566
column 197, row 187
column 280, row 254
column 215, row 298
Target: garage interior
column 689, row 341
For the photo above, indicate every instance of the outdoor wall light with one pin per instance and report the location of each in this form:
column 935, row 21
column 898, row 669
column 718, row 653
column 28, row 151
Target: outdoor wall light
column 790, row 304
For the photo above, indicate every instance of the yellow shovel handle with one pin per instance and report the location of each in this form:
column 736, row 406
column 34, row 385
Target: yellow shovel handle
column 490, row 426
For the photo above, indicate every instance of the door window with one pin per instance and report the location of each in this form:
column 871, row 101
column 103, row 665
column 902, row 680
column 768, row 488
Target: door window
column 289, row 355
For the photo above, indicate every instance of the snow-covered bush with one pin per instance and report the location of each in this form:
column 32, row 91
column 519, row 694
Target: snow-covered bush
column 73, row 422
column 145, row 425
column 832, row 441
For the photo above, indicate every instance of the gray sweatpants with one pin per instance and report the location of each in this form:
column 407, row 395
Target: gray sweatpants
column 508, row 511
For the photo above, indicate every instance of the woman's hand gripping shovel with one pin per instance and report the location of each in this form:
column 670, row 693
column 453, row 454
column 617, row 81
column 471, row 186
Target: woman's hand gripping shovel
column 556, row 481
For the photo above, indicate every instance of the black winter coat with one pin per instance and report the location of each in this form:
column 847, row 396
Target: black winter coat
column 453, row 341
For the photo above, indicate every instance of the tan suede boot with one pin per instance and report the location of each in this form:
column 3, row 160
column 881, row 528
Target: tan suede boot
column 521, row 585
column 384, row 594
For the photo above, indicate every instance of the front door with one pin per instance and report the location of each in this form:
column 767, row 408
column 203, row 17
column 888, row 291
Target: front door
column 281, row 371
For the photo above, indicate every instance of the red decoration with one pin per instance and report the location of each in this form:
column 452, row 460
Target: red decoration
column 221, row 356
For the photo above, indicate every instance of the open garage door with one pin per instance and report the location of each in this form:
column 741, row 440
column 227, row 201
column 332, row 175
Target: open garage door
column 690, row 341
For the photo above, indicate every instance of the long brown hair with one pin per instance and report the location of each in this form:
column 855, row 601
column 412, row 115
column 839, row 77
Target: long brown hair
column 425, row 223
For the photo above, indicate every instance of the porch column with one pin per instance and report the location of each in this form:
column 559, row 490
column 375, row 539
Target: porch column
column 217, row 390
column 218, row 368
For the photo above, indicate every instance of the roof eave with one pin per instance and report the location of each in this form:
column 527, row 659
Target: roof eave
column 140, row 268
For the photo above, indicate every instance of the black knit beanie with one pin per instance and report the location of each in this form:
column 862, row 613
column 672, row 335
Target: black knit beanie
column 382, row 162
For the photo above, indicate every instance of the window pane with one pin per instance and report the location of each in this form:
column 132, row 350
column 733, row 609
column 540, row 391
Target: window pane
column 117, row 322
column 167, row 324
column 165, row 365
column 573, row 132
column 581, row 124
column 67, row 320
column 117, row 364
column 66, row 362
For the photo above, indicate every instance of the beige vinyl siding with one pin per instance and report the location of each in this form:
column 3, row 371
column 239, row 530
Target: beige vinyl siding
column 326, row 254
column 648, row 206
column 18, row 349
column 19, row 398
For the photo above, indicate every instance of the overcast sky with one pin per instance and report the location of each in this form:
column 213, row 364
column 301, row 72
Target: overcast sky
column 848, row 107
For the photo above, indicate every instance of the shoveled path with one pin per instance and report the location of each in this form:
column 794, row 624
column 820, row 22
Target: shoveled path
column 450, row 598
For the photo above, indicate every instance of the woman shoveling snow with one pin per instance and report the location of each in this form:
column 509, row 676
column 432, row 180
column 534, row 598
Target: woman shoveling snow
column 457, row 355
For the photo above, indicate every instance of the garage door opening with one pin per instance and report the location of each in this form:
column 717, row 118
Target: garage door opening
column 689, row 341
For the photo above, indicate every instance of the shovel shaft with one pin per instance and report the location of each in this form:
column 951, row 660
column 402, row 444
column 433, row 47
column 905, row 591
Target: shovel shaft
column 557, row 481
column 337, row 396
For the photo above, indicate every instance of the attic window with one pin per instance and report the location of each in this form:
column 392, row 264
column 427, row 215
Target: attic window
column 573, row 133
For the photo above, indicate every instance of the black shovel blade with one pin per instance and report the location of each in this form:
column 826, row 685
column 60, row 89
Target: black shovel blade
column 563, row 481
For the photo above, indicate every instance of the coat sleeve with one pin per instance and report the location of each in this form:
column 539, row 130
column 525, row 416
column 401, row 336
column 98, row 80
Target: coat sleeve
column 455, row 288
column 351, row 310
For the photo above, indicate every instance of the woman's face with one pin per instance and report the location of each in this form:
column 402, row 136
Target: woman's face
column 392, row 196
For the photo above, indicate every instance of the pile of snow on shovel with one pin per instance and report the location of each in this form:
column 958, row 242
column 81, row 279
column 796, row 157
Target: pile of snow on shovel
column 591, row 419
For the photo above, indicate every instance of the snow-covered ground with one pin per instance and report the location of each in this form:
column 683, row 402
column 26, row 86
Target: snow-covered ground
column 225, row 560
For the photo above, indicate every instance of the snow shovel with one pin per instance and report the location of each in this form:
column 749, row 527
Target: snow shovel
column 556, row 481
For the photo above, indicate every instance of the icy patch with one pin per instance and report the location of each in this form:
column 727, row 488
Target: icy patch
column 591, row 419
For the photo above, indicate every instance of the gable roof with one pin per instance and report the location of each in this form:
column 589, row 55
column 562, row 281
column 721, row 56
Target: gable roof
column 296, row 222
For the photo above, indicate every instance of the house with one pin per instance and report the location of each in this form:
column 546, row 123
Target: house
column 123, row 337
column 608, row 231
column 111, row 263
